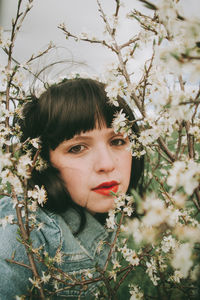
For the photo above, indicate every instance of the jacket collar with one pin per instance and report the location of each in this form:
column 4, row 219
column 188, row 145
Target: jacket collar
column 92, row 234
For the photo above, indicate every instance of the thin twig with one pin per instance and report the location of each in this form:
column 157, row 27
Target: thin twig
column 179, row 141
column 25, row 238
column 190, row 140
column 165, row 149
column 116, row 13
column 114, row 241
column 12, row 261
column 68, row 34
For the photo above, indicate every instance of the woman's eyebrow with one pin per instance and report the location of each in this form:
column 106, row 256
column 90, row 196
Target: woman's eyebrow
column 77, row 138
column 85, row 137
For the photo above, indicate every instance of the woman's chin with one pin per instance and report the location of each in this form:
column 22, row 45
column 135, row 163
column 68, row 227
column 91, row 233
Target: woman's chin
column 102, row 207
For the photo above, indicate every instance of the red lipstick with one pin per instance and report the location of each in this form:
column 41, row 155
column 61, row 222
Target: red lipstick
column 106, row 188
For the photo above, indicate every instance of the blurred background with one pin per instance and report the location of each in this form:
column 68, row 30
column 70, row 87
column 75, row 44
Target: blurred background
column 41, row 26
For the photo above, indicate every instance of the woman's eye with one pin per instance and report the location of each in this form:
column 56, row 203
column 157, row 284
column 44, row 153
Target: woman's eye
column 76, row 149
column 118, row 142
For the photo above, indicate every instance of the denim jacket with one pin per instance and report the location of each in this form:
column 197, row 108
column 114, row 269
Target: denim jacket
column 80, row 253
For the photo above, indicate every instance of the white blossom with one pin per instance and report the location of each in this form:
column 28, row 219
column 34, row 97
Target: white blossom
column 6, row 220
column 168, row 243
column 33, row 206
column 128, row 210
column 119, row 201
column 125, row 251
column 136, row 293
column 152, row 271
column 182, row 259
column 45, row 278
column 179, row 200
column 188, row 232
column 38, row 194
column 89, row 274
column 176, row 277
column 133, row 227
column 132, row 258
column 110, row 221
column 8, row 176
column 167, row 13
column 113, row 274
column 173, row 216
column 35, row 142
column 194, row 130
column 116, row 264
column 119, row 121
column 156, row 211
column 58, row 257
column 148, row 136
column 35, row 282
column 5, row 160
column 185, row 174
column 23, row 166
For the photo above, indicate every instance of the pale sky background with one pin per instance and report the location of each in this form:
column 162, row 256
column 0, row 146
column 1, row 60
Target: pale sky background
column 40, row 27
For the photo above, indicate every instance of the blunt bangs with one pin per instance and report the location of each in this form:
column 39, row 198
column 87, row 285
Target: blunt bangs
column 76, row 106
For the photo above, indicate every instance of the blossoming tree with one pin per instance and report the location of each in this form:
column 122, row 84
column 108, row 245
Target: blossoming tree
column 155, row 253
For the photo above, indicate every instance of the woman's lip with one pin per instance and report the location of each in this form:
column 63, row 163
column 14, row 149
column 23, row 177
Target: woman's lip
column 106, row 188
column 106, row 184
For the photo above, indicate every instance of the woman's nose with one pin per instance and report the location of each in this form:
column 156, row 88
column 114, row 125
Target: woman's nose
column 104, row 160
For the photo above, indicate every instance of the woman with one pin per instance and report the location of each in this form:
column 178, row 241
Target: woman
column 86, row 162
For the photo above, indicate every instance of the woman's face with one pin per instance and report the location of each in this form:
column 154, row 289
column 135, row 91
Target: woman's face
column 92, row 165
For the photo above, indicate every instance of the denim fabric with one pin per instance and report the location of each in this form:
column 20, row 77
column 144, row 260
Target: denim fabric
column 80, row 252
